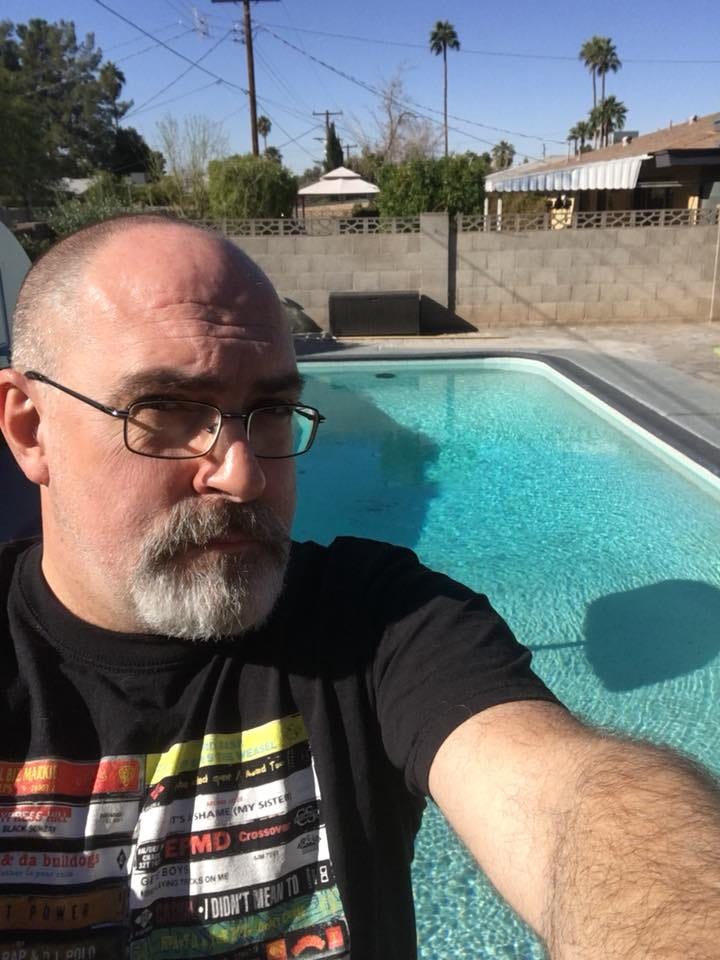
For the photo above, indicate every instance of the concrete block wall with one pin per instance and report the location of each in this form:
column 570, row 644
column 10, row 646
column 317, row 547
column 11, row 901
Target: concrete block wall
column 538, row 277
column 584, row 276
column 306, row 270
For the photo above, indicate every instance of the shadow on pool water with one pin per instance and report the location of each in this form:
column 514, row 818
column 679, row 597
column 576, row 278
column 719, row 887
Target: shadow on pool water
column 654, row 633
column 364, row 467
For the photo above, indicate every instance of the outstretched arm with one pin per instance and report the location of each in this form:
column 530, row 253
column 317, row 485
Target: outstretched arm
column 609, row 849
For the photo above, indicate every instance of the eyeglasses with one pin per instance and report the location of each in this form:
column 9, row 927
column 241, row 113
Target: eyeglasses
column 184, row 429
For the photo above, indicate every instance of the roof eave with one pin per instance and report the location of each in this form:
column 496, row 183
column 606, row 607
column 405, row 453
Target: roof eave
column 690, row 157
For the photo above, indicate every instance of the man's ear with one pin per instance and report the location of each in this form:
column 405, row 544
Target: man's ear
column 20, row 425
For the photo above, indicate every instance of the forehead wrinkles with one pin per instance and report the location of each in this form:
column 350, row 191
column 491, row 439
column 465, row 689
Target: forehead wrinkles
column 252, row 316
column 172, row 323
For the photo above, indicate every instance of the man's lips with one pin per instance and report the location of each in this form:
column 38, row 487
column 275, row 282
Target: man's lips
column 232, row 541
column 228, row 543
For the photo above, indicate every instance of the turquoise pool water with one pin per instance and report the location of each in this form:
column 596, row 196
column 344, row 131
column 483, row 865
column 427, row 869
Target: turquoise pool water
column 603, row 559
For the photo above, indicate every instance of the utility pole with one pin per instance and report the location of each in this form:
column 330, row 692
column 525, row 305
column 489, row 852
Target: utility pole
column 348, row 147
column 247, row 25
column 327, row 114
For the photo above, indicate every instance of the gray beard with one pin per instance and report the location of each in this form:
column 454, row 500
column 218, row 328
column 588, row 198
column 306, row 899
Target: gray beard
column 212, row 594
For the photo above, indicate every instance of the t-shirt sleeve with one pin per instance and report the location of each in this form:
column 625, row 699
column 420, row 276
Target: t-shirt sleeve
column 444, row 655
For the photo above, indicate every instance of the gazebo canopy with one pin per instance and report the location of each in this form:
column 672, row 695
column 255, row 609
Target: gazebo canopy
column 339, row 182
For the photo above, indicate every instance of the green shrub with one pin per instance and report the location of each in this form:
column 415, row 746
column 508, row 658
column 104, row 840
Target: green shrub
column 363, row 210
column 455, row 184
column 251, row 187
column 70, row 215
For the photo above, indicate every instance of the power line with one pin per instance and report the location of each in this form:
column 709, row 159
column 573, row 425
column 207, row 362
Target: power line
column 193, row 64
column 177, row 9
column 152, row 46
column 482, row 53
column 276, row 124
column 424, row 46
column 182, row 96
column 126, row 43
column 300, row 136
column 233, row 113
column 183, row 74
column 412, row 105
column 120, row 16
column 71, row 80
column 315, row 70
column 292, row 94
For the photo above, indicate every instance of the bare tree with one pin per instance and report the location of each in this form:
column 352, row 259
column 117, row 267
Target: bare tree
column 188, row 149
column 398, row 133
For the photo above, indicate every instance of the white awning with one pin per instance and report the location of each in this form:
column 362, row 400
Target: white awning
column 620, row 174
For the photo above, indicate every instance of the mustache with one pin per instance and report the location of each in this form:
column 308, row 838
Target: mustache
column 190, row 525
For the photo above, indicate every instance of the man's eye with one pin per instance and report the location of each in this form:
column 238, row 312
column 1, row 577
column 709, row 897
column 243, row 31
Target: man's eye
column 280, row 411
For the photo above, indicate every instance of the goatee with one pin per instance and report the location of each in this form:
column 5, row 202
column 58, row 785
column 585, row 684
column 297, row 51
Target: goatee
column 182, row 590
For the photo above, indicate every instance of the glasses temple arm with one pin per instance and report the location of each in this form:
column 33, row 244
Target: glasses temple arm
column 111, row 411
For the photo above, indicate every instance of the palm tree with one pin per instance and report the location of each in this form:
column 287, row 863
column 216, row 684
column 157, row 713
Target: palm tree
column 606, row 60
column 609, row 115
column 263, row 128
column 589, row 54
column 615, row 113
column 442, row 38
column 503, row 154
column 584, row 132
column 595, row 124
column 573, row 137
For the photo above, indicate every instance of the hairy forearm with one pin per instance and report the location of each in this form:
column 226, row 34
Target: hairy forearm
column 636, row 866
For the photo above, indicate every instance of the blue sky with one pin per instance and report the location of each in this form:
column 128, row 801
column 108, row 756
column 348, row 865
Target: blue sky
column 517, row 71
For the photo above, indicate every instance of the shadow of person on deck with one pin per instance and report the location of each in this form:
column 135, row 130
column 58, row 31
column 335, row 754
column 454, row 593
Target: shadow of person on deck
column 654, row 633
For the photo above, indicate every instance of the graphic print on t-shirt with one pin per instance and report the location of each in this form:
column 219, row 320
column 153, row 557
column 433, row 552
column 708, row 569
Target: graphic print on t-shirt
column 215, row 848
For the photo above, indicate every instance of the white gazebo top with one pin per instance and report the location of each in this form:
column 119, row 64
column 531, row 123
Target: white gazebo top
column 339, row 182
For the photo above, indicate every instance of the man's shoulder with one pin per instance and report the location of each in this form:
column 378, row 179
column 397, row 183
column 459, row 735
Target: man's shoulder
column 349, row 546
column 358, row 556
column 368, row 575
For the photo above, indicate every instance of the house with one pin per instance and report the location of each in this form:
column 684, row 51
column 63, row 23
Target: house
column 674, row 168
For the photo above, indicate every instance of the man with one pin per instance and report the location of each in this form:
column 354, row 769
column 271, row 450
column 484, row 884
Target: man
column 216, row 745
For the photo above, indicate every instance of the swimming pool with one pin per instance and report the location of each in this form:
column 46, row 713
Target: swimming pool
column 599, row 550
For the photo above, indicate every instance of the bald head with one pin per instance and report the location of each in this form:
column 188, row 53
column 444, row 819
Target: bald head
column 69, row 287
column 136, row 310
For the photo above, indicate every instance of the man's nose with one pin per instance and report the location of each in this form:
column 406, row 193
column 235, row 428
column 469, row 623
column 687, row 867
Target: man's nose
column 231, row 467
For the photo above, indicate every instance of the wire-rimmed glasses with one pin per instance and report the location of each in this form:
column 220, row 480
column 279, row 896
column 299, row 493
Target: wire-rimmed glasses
column 184, row 429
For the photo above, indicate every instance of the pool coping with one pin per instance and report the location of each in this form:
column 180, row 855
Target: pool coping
column 701, row 445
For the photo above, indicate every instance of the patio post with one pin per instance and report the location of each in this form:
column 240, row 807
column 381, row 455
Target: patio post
column 715, row 266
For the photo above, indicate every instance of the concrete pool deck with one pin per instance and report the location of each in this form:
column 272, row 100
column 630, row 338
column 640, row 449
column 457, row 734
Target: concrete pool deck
column 670, row 371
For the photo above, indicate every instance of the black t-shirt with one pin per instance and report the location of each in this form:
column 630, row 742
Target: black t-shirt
column 253, row 799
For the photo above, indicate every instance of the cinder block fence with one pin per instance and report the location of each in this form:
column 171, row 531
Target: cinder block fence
column 624, row 266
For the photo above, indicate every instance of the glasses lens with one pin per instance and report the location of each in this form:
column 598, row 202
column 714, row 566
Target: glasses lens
column 281, row 431
column 170, row 428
